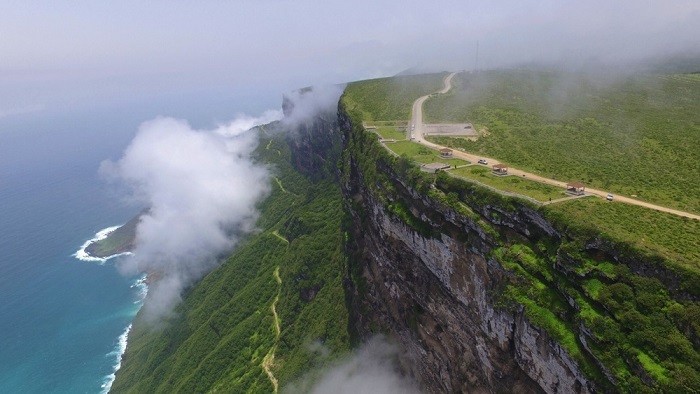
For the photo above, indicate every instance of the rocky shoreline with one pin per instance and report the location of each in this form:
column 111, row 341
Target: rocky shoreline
column 120, row 241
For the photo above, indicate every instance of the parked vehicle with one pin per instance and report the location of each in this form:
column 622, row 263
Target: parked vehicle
column 610, row 197
column 483, row 161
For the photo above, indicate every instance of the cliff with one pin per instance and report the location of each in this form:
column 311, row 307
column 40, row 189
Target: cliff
column 487, row 293
column 438, row 295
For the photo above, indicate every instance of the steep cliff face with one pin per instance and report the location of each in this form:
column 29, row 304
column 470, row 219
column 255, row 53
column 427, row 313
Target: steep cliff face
column 314, row 140
column 437, row 295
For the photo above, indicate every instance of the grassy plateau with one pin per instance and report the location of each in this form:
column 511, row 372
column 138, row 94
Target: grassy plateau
column 632, row 135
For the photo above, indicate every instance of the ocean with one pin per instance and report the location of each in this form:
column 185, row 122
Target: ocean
column 62, row 320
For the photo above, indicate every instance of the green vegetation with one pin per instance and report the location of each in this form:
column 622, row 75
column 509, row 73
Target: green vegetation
column 539, row 191
column 675, row 239
column 628, row 319
column 118, row 241
column 393, row 133
column 421, row 154
column 415, row 152
column 636, row 135
column 389, row 98
column 642, row 331
column 220, row 335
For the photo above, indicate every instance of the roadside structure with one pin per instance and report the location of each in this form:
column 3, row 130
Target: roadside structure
column 576, row 188
column 446, row 153
column 500, row 169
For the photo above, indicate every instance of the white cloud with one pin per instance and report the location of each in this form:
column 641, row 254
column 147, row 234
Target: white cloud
column 372, row 369
column 201, row 187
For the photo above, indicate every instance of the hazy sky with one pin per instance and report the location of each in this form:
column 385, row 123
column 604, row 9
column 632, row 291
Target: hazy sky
column 79, row 51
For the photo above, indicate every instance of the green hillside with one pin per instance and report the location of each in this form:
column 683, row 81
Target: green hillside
column 633, row 135
column 224, row 330
column 389, row 99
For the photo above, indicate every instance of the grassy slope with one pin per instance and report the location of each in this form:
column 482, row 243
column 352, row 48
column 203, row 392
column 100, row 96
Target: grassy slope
column 392, row 132
column 646, row 339
column 224, row 327
column 634, row 135
column 390, row 98
column 673, row 237
column 539, row 191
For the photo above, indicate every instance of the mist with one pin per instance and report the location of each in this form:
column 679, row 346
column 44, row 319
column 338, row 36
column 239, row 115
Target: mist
column 371, row 369
column 144, row 51
column 302, row 105
column 200, row 188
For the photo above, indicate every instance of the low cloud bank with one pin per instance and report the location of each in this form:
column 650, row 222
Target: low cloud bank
column 304, row 104
column 201, row 187
column 372, row 369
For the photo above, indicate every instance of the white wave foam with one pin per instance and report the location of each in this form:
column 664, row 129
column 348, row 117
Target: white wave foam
column 118, row 352
column 82, row 255
column 141, row 286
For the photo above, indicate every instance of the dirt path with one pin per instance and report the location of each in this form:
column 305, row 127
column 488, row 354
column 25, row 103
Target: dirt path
column 269, row 359
column 417, row 120
column 276, row 274
column 281, row 238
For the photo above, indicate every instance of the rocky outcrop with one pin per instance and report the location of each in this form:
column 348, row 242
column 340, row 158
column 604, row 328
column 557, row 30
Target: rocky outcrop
column 313, row 135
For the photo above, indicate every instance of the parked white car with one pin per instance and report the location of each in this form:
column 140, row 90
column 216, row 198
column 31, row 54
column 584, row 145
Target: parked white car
column 610, row 197
column 483, row 161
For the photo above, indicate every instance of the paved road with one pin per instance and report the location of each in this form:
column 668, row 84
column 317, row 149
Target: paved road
column 417, row 120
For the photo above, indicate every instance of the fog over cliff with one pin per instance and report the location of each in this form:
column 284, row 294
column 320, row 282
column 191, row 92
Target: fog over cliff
column 201, row 187
column 372, row 368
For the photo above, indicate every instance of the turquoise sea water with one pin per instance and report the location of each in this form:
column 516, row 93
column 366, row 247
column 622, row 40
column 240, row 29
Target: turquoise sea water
column 61, row 318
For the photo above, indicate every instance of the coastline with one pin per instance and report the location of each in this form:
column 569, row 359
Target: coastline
column 140, row 285
column 83, row 255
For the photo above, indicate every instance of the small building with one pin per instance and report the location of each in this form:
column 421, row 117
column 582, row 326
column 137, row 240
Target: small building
column 446, row 153
column 500, row 169
column 576, row 188
column 434, row 167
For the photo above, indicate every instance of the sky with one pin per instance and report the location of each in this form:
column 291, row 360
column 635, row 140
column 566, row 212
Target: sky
column 72, row 52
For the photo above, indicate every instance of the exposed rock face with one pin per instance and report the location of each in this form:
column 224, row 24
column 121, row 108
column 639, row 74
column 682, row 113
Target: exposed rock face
column 438, row 297
column 314, row 137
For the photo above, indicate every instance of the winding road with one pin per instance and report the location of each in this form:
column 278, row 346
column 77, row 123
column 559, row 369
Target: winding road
column 417, row 129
